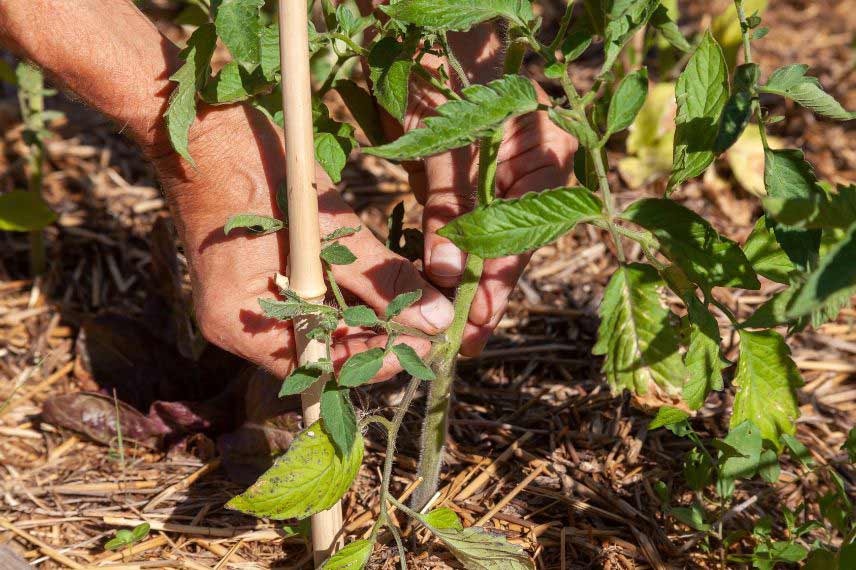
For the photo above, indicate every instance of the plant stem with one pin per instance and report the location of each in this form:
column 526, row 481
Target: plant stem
column 32, row 104
column 337, row 292
column 563, row 27
column 454, row 63
column 599, row 166
column 747, row 55
column 429, row 78
column 437, row 410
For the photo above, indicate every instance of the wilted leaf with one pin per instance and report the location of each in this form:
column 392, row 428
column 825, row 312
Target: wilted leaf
column 311, row 477
column 766, row 380
column 635, row 335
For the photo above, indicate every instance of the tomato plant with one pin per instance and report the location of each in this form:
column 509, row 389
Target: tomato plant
column 806, row 239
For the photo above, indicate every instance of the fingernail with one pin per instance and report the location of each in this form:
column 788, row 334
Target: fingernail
column 447, row 260
column 438, row 312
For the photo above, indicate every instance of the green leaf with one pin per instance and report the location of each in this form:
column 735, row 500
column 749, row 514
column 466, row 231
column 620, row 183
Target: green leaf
column 623, row 20
column 692, row 516
column 337, row 254
column 508, row 227
column 690, row 241
column 698, row 469
column 581, row 130
column 339, row 233
column 285, row 310
column 788, row 175
column 767, row 381
column 850, row 445
column 772, row 313
column 443, row 518
column 766, row 255
column 738, row 109
column 340, row 420
column 703, row 358
column 141, row 531
column 667, row 416
column 256, row 224
column 666, row 26
column 233, row 84
column 411, row 362
column 836, row 273
column 459, row 123
column 797, row 450
column 311, row 477
column 640, row 344
column 269, row 51
column 745, row 443
column 576, row 41
column 239, row 26
column 458, row 14
column 354, row 556
column 181, row 111
column 361, row 105
column 331, row 154
column 701, row 93
column 360, row 316
column 300, row 379
column 390, row 64
column 401, row 302
column 361, row 367
column 22, row 211
column 123, row 538
column 627, row 101
column 477, row 549
column 792, row 82
column 821, row 210
column 768, row 466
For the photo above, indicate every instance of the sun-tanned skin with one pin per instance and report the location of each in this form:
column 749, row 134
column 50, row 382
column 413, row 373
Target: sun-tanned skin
column 112, row 56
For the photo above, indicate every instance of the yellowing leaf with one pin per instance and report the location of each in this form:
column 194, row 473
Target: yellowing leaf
column 311, row 477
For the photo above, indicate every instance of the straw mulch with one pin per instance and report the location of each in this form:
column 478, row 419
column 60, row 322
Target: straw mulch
column 539, row 448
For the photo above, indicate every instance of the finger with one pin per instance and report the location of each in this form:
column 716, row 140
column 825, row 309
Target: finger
column 378, row 275
column 476, row 336
column 451, row 193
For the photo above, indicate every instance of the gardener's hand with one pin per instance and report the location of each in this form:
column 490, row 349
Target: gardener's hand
column 122, row 69
column 534, row 156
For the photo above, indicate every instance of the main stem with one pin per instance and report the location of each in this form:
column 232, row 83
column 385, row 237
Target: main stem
column 437, row 411
column 32, row 106
column 747, row 55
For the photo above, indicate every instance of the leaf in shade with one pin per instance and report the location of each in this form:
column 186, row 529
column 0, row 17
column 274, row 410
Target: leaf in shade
column 766, row 255
column 361, row 105
column 635, row 335
column 353, row 556
column 22, row 211
column 792, row 82
column 401, row 302
column 701, row 93
column 361, row 367
column 458, row 15
column 411, row 363
column 337, row 413
column 767, row 380
column 689, row 240
column 311, row 477
column 477, row 549
column 253, row 223
column 663, row 23
column 239, row 26
column 459, row 123
column 581, row 130
column 821, row 210
column 234, row 83
column 623, row 20
column 508, row 227
column 743, row 444
column 181, row 110
column 738, row 108
column 835, row 274
column 269, row 62
column 703, row 358
column 390, row 63
column 627, row 101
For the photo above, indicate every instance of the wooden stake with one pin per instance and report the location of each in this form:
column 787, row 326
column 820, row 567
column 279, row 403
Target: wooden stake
column 306, row 276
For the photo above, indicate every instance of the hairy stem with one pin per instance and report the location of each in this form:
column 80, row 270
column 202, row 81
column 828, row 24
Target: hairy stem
column 392, row 436
column 337, row 292
column 32, row 105
column 563, row 27
column 437, row 411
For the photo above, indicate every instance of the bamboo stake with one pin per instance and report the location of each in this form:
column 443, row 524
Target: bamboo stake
column 306, row 276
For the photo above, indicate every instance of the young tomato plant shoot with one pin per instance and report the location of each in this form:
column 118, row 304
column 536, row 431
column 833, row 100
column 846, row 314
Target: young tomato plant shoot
column 669, row 357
